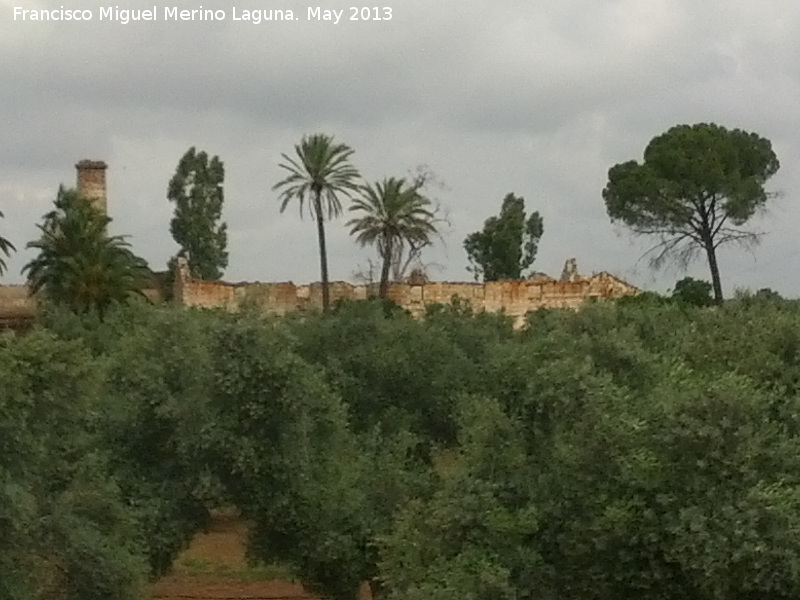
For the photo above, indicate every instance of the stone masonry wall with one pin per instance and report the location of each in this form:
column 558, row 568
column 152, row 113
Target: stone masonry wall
column 516, row 298
column 17, row 307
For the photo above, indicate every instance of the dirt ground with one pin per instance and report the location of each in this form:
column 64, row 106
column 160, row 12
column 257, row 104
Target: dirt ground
column 214, row 568
column 207, row 587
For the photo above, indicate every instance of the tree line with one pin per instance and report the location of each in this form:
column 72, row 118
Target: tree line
column 633, row 449
column 695, row 190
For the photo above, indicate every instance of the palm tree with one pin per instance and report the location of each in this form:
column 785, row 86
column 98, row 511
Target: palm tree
column 392, row 214
column 6, row 248
column 321, row 171
column 79, row 265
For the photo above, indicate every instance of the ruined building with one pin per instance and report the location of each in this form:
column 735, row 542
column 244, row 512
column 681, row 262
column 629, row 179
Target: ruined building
column 514, row 298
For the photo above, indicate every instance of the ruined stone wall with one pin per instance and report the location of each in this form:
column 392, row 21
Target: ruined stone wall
column 515, row 298
column 17, row 307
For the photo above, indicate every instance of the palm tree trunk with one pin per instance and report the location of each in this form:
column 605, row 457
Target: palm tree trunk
column 712, row 264
column 387, row 261
column 323, row 253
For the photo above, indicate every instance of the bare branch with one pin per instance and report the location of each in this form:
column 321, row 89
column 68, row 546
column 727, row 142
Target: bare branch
column 746, row 239
column 366, row 276
column 664, row 233
column 719, row 226
column 670, row 248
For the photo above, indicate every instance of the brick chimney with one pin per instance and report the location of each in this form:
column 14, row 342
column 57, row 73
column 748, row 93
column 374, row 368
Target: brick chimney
column 92, row 182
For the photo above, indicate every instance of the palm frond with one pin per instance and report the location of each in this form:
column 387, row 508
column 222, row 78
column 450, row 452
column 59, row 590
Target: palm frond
column 321, row 170
column 77, row 263
column 390, row 214
column 6, row 247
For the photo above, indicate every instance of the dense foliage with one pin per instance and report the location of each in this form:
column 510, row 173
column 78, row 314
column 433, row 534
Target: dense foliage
column 67, row 532
column 78, row 264
column 645, row 449
column 693, row 291
column 196, row 189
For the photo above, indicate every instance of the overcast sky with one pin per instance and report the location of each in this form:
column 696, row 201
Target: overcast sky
column 535, row 98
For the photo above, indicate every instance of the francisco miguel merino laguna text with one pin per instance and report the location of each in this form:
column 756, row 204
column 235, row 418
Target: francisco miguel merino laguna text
column 173, row 13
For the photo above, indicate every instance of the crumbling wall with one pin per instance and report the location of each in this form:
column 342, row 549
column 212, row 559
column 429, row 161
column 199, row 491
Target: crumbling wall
column 514, row 298
column 17, row 306
column 208, row 294
column 278, row 297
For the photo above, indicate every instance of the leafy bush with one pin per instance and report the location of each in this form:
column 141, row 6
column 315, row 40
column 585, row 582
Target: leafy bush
column 66, row 530
column 396, row 372
column 694, row 292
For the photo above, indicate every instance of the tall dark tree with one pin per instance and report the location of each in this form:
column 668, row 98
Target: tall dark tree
column 6, row 248
column 393, row 214
column 196, row 190
column 696, row 188
column 321, row 171
column 79, row 265
column 507, row 244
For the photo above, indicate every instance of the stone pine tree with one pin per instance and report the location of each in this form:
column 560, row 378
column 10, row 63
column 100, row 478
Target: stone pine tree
column 696, row 188
column 507, row 244
column 6, row 248
column 196, row 190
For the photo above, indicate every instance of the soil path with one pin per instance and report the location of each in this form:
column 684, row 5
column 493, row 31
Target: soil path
column 214, row 568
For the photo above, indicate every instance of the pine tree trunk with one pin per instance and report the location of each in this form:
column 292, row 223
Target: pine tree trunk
column 712, row 264
column 323, row 253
